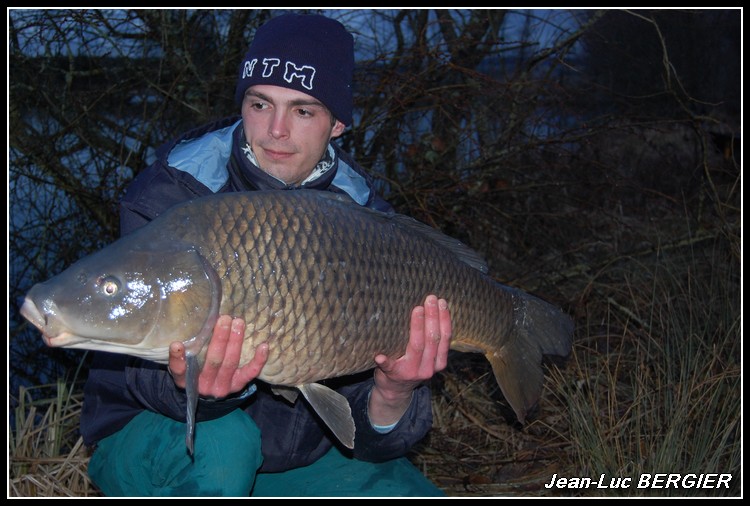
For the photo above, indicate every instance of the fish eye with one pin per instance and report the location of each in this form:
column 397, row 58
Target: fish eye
column 109, row 285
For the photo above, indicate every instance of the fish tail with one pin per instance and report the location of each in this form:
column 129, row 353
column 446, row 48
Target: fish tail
column 538, row 329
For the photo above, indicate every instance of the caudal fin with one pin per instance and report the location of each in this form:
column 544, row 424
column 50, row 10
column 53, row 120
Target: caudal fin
column 539, row 329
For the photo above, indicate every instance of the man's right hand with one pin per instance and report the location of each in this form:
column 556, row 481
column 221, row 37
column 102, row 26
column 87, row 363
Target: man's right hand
column 221, row 374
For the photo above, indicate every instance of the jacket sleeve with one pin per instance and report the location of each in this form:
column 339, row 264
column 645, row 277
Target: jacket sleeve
column 373, row 446
column 153, row 386
column 293, row 436
column 119, row 387
column 153, row 191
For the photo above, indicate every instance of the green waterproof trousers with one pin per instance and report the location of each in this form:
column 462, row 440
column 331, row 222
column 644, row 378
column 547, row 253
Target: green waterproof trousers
column 148, row 458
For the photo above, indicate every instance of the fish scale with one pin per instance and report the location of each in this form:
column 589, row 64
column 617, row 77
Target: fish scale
column 334, row 287
column 295, row 285
column 327, row 283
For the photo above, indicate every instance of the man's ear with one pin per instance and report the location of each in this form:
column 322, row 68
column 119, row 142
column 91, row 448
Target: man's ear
column 338, row 129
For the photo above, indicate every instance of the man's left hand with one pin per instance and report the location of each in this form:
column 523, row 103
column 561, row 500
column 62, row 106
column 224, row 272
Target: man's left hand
column 426, row 353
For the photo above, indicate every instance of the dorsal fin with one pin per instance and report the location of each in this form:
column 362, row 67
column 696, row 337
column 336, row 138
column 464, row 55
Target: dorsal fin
column 463, row 252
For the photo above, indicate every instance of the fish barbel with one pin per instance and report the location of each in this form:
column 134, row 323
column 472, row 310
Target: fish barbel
column 326, row 283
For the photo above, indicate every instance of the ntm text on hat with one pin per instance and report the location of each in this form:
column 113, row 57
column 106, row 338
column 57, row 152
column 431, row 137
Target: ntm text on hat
column 308, row 53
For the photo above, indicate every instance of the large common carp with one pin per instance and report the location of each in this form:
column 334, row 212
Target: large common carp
column 327, row 283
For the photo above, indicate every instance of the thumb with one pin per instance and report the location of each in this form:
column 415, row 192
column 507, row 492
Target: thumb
column 384, row 363
column 177, row 365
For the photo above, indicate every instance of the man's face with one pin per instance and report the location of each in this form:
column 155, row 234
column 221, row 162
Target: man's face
column 288, row 130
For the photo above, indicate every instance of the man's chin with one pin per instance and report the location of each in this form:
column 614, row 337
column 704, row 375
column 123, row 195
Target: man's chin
column 283, row 172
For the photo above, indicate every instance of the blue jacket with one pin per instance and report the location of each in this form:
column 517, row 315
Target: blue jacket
column 204, row 161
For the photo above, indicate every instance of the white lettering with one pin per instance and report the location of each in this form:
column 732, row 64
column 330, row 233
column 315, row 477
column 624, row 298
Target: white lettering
column 248, row 68
column 579, row 483
column 601, row 483
column 673, row 479
column 724, row 479
column 688, row 481
column 306, row 73
column 708, row 481
column 658, row 480
column 645, row 480
column 269, row 64
column 552, row 482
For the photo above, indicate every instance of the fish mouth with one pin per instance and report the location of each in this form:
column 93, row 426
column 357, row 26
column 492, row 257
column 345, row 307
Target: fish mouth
column 51, row 336
column 60, row 337
column 34, row 316
column 60, row 340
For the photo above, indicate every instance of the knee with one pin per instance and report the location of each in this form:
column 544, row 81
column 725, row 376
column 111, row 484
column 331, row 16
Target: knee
column 227, row 456
column 148, row 457
column 233, row 439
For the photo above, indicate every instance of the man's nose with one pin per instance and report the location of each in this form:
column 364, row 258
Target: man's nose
column 279, row 127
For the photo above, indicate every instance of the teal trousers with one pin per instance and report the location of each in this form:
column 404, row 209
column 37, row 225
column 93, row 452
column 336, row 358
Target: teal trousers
column 148, row 458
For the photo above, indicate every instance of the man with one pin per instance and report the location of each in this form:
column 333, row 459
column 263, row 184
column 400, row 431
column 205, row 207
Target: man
column 295, row 89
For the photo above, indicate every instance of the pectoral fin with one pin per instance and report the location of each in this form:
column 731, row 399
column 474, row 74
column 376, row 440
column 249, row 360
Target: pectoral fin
column 333, row 408
column 191, row 391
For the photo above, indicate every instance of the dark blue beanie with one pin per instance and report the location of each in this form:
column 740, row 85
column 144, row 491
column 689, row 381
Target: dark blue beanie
column 308, row 53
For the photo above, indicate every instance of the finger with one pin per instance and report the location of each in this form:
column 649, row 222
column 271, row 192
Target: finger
column 177, row 365
column 385, row 364
column 431, row 337
column 414, row 347
column 416, row 333
column 446, row 334
column 252, row 369
column 231, row 361
column 215, row 354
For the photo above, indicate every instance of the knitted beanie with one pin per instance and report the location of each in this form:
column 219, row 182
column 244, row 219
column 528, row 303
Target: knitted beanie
column 308, row 53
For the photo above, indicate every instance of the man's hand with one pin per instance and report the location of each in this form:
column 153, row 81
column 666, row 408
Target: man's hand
column 221, row 374
column 426, row 353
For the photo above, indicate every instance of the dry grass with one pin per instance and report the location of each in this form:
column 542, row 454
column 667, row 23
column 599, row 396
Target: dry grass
column 47, row 457
column 653, row 386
